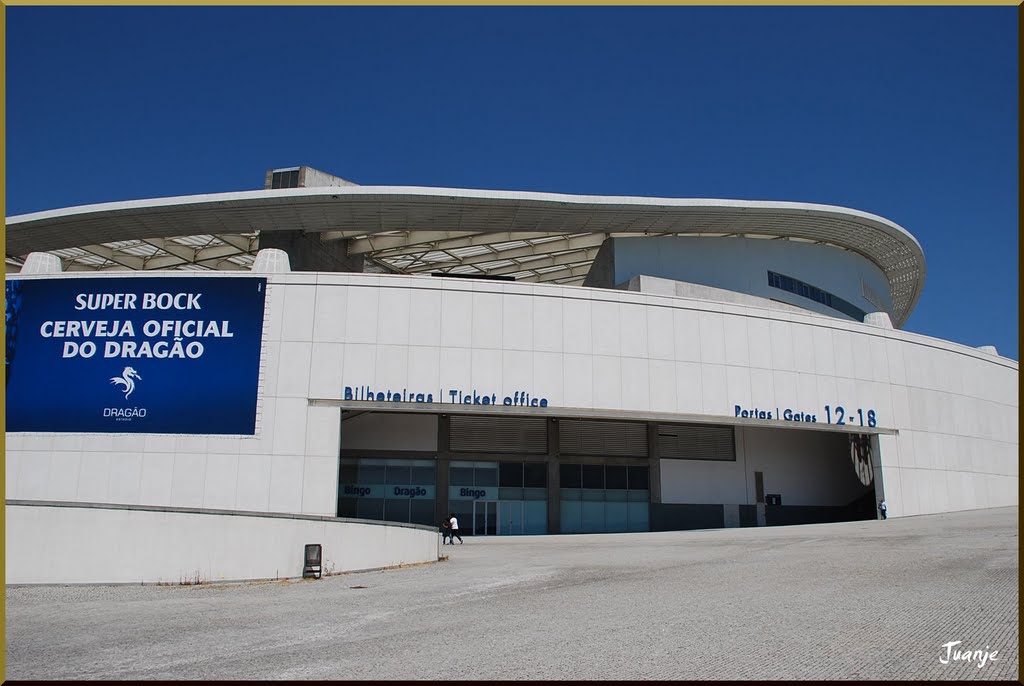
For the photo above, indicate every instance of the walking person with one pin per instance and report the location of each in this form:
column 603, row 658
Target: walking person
column 446, row 532
column 453, row 531
column 882, row 508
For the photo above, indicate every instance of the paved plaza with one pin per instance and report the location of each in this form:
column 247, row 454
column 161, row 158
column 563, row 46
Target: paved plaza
column 862, row 600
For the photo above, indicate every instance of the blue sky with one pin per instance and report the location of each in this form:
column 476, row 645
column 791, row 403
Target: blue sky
column 908, row 113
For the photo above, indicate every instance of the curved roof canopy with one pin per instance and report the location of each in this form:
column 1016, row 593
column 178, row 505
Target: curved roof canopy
column 530, row 236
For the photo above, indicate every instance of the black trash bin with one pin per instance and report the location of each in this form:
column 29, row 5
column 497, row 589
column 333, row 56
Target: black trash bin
column 312, row 565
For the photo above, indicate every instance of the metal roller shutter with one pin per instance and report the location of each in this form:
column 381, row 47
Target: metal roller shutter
column 689, row 442
column 589, row 437
column 498, row 435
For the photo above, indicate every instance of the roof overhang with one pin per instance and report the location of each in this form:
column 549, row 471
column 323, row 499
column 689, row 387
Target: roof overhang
column 532, row 236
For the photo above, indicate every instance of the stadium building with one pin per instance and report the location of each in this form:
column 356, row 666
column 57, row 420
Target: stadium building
column 223, row 377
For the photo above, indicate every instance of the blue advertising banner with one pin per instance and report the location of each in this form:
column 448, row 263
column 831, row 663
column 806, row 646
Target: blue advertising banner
column 134, row 355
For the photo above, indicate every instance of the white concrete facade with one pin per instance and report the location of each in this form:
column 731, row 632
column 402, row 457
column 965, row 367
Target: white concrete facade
column 949, row 411
column 738, row 313
column 740, row 265
column 66, row 544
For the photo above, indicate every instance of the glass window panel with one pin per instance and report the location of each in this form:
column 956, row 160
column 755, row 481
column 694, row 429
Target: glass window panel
column 806, row 290
column 535, row 518
column 535, row 494
column 423, row 476
column 593, row 476
column 638, row 514
column 349, row 473
column 461, row 476
column 593, row 494
column 615, row 476
column 398, row 475
column 396, row 510
column 535, row 475
column 510, row 494
column 638, row 496
column 592, row 517
column 638, row 478
column 421, row 511
column 617, row 496
column 370, row 508
column 463, row 511
column 569, row 476
column 616, row 517
column 371, row 474
column 510, row 474
column 492, row 517
column 347, row 507
column 486, row 477
column 480, row 523
column 570, row 493
column 571, row 516
column 421, row 463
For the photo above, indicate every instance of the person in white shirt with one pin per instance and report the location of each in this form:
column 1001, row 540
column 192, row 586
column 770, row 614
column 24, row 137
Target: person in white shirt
column 881, row 508
column 453, row 522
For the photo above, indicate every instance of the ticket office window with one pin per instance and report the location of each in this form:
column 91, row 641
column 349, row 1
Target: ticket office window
column 513, row 480
column 463, row 511
column 394, row 490
column 469, row 482
column 598, row 498
column 523, row 481
column 473, row 474
column 499, row 498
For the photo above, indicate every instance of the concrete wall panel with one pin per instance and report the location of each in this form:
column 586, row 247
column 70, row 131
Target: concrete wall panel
column 58, row 545
column 955, row 409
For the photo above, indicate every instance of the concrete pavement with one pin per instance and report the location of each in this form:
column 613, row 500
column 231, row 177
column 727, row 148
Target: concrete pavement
column 861, row 600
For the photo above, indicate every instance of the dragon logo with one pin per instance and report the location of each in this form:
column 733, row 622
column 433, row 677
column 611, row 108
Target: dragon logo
column 127, row 379
column 860, row 454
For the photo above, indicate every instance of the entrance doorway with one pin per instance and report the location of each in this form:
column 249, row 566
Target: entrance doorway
column 485, row 517
column 510, row 518
column 497, row 518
